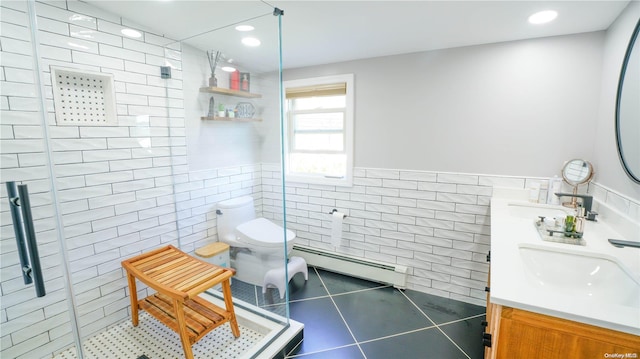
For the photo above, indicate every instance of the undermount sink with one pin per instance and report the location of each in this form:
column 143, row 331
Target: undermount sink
column 584, row 276
column 533, row 211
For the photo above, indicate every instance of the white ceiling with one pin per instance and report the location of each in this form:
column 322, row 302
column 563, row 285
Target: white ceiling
column 319, row 32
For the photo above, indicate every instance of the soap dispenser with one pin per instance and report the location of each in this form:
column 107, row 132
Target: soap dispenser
column 579, row 221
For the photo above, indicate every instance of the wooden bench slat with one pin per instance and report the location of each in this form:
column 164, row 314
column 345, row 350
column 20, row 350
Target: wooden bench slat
column 185, row 273
column 193, row 291
column 165, row 304
column 207, row 309
column 206, row 276
column 152, row 261
column 176, row 270
column 166, row 267
column 165, row 318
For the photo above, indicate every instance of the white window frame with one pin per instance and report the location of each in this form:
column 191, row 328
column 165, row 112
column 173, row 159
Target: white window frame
column 347, row 180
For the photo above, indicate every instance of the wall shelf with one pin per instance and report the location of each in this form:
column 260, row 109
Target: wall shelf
column 229, row 92
column 230, row 119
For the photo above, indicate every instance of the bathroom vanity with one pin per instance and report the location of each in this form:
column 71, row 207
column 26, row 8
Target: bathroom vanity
column 558, row 300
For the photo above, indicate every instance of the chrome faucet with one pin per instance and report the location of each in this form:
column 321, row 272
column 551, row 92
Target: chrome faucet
column 587, row 204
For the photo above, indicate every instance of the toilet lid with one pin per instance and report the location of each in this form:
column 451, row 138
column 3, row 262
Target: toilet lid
column 262, row 232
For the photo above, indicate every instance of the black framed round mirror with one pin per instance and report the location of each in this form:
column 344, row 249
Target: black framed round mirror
column 628, row 109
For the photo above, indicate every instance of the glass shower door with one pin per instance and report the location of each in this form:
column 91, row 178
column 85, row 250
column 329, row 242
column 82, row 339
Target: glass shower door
column 102, row 192
column 230, row 80
column 33, row 324
column 87, row 127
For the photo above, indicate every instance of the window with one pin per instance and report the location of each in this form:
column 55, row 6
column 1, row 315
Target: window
column 319, row 128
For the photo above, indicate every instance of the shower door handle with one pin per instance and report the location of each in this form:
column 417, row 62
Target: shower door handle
column 18, row 229
column 31, row 240
column 25, row 236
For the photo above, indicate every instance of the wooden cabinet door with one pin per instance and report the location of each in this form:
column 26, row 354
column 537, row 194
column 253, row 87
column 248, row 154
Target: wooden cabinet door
column 530, row 335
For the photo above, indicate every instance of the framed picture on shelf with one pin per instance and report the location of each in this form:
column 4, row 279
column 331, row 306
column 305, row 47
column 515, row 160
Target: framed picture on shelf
column 245, row 79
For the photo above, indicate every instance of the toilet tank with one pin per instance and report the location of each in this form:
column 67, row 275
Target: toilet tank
column 230, row 214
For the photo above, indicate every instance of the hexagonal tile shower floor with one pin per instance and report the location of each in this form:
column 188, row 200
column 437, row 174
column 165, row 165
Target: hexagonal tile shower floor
column 154, row 340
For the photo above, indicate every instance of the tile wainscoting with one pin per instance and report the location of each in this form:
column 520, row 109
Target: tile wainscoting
column 622, row 204
column 437, row 224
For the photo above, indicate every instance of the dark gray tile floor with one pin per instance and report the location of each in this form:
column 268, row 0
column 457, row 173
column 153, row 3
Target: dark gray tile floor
column 346, row 317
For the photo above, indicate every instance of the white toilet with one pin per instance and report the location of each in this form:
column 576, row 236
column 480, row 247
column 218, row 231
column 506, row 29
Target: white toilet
column 256, row 243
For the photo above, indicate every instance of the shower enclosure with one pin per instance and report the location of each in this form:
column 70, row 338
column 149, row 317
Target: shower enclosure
column 108, row 126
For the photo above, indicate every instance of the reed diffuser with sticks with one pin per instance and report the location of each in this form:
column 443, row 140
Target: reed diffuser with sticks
column 214, row 57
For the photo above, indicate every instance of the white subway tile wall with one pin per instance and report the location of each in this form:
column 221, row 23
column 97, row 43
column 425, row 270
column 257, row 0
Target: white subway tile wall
column 115, row 183
column 436, row 224
column 23, row 160
column 198, row 193
column 619, row 211
column 441, row 233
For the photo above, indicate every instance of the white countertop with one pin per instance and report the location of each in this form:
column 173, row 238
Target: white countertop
column 511, row 280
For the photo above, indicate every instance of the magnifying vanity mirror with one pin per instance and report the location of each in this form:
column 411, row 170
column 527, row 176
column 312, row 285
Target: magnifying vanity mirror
column 628, row 109
column 575, row 173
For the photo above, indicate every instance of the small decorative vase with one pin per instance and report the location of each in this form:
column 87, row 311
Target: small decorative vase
column 213, row 81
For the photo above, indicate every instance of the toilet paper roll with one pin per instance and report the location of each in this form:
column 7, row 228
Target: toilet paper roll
column 336, row 228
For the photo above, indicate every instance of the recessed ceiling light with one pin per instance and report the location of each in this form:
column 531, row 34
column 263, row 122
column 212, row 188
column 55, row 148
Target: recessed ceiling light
column 543, row 17
column 251, row 41
column 228, row 69
column 244, row 28
column 131, row 33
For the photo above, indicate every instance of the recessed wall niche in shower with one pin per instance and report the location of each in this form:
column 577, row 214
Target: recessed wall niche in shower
column 83, row 98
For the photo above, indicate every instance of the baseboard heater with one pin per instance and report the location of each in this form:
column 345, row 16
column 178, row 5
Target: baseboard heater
column 392, row 274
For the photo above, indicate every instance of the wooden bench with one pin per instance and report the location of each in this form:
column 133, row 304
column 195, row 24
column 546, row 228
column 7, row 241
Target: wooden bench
column 178, row 278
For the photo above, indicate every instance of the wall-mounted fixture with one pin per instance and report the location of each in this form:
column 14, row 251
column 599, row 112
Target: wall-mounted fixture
column 165, row 72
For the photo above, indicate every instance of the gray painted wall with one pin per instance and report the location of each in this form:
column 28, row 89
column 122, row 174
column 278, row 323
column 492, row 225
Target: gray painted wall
column 606, row 162
column 517, row 108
